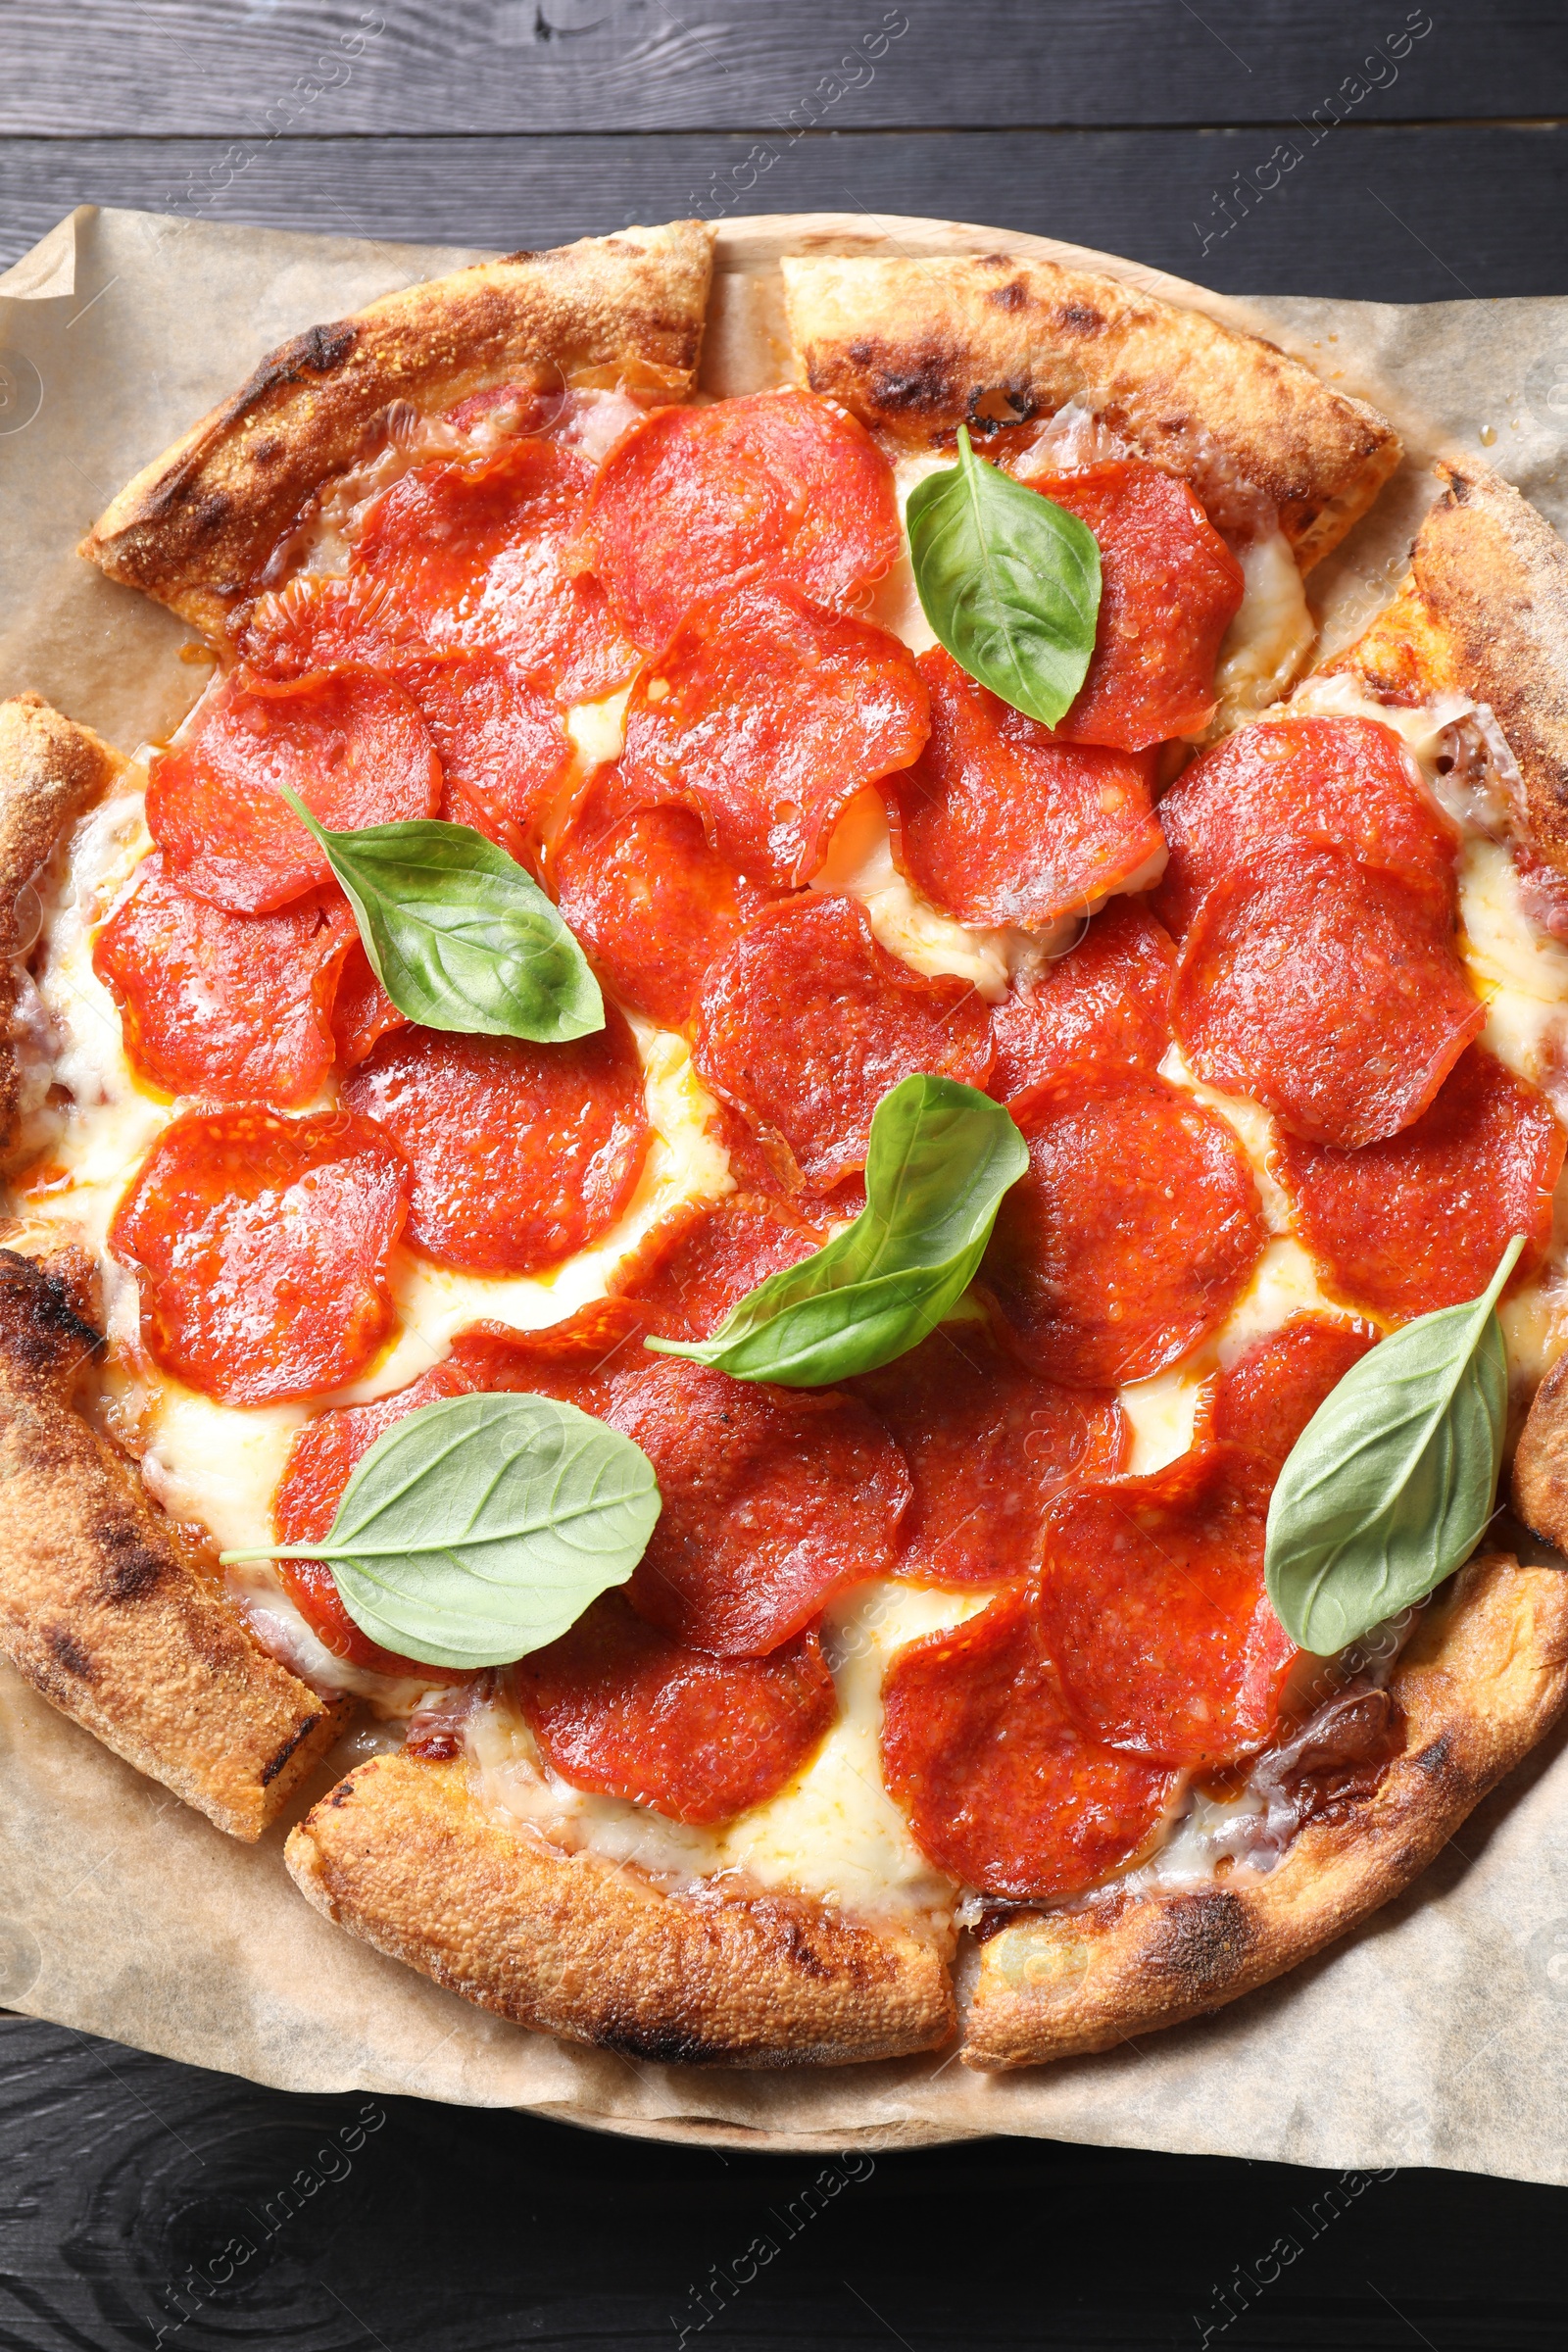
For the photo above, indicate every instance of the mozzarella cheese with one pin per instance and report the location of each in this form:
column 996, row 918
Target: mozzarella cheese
column 833, row 1832
column 1272, row 635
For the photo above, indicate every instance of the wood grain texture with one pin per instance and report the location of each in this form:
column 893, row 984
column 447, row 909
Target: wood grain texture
column 1395, row 215
column 138, row 2196
column 182, row 66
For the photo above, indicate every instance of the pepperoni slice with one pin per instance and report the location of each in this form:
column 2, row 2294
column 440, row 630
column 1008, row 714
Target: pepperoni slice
column 323, row 623
column 1346, row 780
column 486, row 556
column 361, row 1010
column 1153, row 1606
column 234, row 1007
column 522, row 1154
column 1002, row 823
column 766, row 1167
column 319, row 1464
column 349, row 742
column 1133, row 1232
column 1420, row 1221
column 1266, row 1398
column 621, row 1709
column 1326, row 989
column 702, row 1261
column 780, row 485
column 1106, row 1003
column 1002, row 1790
column 265, row 1245
column 987, row 1443
column 1169, row 590
column 577, row 1361
column 502, row 746
column 767, row 714
column 651, row 901
column 808, row 1020
column 774, row 1500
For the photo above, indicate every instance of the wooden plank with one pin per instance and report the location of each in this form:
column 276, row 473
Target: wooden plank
column 140, row 2196
column 168, row 67
column 1383, row 213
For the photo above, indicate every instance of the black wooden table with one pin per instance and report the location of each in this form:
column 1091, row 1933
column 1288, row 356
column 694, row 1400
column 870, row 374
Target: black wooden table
column 1386, row 152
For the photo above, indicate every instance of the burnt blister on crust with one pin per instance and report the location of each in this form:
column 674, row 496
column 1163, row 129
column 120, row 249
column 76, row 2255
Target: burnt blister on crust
column 1203, row 1943
column 45, row 1339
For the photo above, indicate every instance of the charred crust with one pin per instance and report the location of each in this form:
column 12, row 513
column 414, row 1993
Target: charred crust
column 288, row 1747
column 578, row 1946
column 42, row 1338
column 660, row 2045
column 1204, row 1943
column 197, row 527
column 1485, row 1676
column 916, row 347
column 132, row 1569
column 67, row 1653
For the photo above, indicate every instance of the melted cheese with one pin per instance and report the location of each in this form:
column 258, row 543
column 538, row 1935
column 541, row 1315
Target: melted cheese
column 1420, row 726
column 220, row 1464
column 860, row 864
column 1272, row 635
column 833, row 1832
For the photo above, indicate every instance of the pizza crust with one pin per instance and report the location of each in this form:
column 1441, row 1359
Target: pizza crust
column 1540, row 1490
column 1493, row 578
column 1484, row 1680
column 918, row 347
column 107, row 1608
column 405, row 1855
column 51, row 769
column 196, row 527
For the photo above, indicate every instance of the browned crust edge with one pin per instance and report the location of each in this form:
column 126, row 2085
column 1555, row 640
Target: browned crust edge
column 51, row 769
column 917, row 347
column 1485, row 1676
column 104, row 1606
column 1493, row 575
column 103, row 1603
column 405, row 1855
column 197, row 525
column 1539, row 1490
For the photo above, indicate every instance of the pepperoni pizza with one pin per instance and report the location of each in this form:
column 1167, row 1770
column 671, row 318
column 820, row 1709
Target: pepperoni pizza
column 948, row 1698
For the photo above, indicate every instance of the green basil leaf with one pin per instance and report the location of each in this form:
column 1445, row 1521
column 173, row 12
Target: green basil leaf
column 480, row 1528
column 1392, row 1483
column 1008, row 580
column 460, row 937
column 941, row 1157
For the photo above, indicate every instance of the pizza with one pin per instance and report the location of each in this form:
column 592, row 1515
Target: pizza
column 944, row 1692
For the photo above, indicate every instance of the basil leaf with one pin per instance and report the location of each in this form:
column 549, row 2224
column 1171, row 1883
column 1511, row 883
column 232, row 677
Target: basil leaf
column 480, row 1528
column 460, row 937
column 941, row 1157
column 1008, row 580
column 1393, row 1481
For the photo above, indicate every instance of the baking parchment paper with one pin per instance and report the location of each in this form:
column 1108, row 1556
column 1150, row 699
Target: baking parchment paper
column 1438, row 2034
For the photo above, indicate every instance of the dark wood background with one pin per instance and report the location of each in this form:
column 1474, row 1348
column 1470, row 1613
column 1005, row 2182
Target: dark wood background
column 145, row 2204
